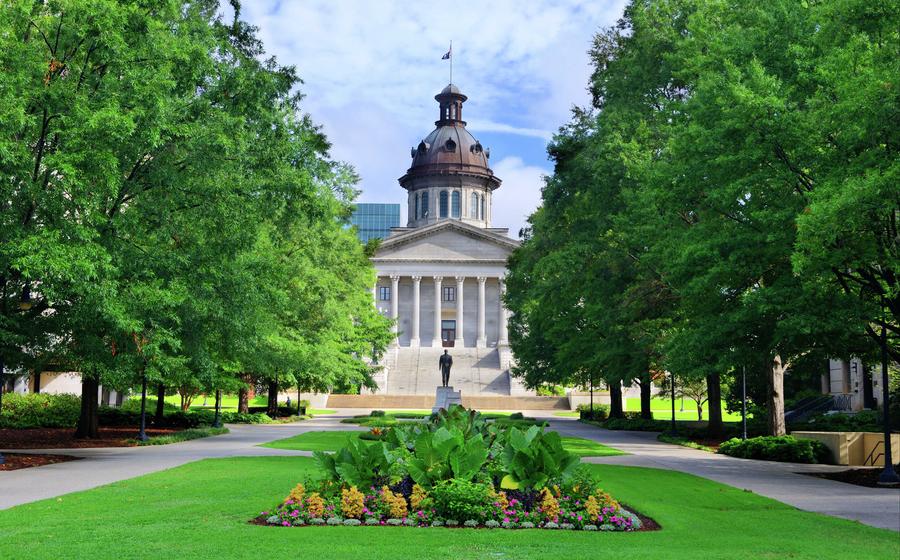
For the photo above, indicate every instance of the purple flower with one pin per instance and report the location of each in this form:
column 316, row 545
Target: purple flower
column 285, row 524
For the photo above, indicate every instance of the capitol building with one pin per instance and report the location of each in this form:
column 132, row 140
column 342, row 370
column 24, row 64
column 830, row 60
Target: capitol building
column 441, row 276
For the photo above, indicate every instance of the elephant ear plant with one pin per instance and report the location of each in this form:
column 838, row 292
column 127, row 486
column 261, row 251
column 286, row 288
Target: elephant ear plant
column 532, row 458
column 444, row 454
column 359, row 464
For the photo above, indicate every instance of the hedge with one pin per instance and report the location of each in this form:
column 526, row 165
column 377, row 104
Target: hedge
column 777, row 448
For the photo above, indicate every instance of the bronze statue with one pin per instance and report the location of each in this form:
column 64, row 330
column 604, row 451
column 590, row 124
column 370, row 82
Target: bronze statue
column 445, row 363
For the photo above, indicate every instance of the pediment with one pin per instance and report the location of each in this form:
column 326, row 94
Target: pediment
column 446, row 241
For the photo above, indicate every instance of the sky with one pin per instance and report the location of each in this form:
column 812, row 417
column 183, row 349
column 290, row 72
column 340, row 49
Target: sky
column 371, row 70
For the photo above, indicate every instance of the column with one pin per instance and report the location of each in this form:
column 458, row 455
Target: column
column 504, row 330
column 460, row 341
column 414, row 340
column 395, row 307
column 375, row 293
column 481, row 342
column 436, row 341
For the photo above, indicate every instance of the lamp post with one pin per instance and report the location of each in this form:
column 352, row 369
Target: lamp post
column 673, row 402
column 217, row 423
column 743, row 402
column 142, row 435
column 888, row 476
column 2, row 459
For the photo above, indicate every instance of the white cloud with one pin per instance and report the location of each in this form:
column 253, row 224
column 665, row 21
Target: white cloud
column 371, row 70
column 519, row 194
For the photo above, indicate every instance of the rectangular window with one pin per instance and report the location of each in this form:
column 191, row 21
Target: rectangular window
column 449, row 293
column 384, row 293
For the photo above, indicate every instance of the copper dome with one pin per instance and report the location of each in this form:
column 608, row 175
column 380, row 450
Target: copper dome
column 450, row 148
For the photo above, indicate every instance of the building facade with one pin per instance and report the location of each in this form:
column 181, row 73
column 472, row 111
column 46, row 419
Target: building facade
column 441, row 277
column 375, row 220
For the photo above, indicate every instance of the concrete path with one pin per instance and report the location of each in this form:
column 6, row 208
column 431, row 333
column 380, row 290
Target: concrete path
column 872, row 506
column 105, row 465
column 879, row 507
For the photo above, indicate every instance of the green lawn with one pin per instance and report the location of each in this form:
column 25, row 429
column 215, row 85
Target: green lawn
column 200, row 510
column 316, row 441
column 335, row 439
column 662, row 409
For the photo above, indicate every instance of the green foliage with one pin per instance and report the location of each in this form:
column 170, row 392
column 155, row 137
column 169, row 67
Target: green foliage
column 864, row 421
column 777, row 448
column 530, row 459
column 599, row 412
column 462, row 499
column 39, row 411
column 358, row 464
column 445, row 454
column 184, row 435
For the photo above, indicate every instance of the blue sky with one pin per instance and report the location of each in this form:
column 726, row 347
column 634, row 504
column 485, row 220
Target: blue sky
column 371, row 70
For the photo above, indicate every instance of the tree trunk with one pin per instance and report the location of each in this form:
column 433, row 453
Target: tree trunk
column 615, row 400
column 88, row 422
column 243, row 400
column 714, row 397
column 699, row 411
column 272, row 408
column 646, row 395
column 775, row 379
column 160, row 404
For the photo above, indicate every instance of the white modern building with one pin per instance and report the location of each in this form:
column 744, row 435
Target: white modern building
column 441, row 277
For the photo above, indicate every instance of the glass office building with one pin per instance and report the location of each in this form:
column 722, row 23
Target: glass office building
column 373, row 220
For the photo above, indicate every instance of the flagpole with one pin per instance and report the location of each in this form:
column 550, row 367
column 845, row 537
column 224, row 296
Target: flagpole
column 451, row 62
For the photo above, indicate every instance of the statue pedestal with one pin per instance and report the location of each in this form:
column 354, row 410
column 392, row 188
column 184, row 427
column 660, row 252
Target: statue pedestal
column 445, row 396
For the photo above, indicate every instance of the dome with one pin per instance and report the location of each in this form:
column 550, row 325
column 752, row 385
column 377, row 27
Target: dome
column 450, row 148
column 451, row 89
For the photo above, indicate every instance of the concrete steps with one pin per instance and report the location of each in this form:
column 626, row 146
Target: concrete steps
column 476, row 371
column 426, row 402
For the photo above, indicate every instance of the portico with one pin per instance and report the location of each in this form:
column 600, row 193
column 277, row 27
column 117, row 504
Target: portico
column 458, row 311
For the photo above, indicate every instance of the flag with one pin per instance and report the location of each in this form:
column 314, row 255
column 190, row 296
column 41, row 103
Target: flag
column 447, row 54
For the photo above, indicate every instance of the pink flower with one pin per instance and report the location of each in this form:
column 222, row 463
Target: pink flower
column 285, row 524
column 506, row 519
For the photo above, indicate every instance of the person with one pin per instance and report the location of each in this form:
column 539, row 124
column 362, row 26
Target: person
column 445, row 363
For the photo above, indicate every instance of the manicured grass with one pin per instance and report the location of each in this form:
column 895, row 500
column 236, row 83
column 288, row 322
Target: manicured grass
column 335, row 439
column 184, row 435
column 567, row 414
column 684, row 442
column 200, row 510
column 662, row 409
column 320, row 411
column 588, row 448
column 316, row 441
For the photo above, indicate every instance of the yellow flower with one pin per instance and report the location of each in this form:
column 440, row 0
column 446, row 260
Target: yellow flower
column 592, row 507
column 315, row 505
column 296, row 494
column 418, row 494
column 549, row 505
column 502, row 500
column 605, row 500
column 396, row 503
column 352, row 502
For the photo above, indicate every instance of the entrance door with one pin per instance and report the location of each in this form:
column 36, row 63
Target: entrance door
column 448, row 333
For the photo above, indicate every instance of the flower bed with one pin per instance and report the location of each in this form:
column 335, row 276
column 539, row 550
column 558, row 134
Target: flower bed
column 457, row 470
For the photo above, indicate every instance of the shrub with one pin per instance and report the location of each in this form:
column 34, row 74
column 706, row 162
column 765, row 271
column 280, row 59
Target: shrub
column 777, row 448
column 461, row 499
column 598, row 413
column 636, row 424
column 39, row 411
column 377, row 413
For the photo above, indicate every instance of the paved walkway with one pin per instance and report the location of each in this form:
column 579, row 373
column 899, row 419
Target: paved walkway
column 876, row 507
column 105, row 465
column 879, row 507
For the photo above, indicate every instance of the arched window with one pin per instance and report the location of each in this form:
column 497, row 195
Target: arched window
column 483, row 213
column 473, row 206
column 443, row 202
column 423, row 208
column 457, row 203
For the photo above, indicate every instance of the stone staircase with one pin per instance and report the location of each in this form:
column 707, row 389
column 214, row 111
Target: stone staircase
column 409, row 377
column 476, row 371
